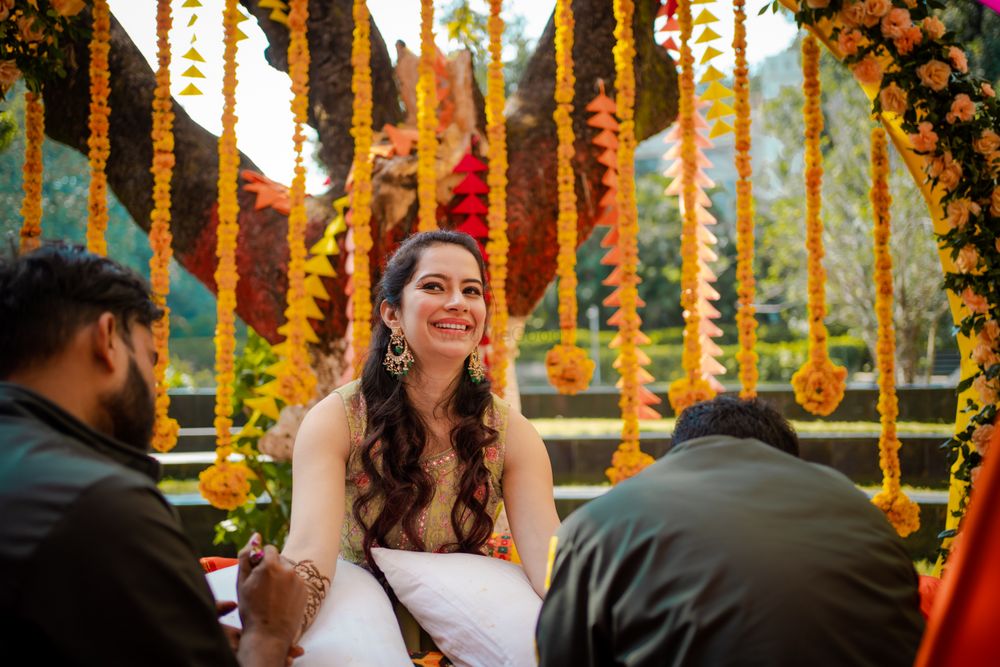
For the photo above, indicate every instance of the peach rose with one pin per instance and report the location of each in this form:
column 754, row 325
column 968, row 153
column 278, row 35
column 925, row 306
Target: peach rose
column 984, row 355
column 985, row 389
column 849, row 41
column 995, row 203
column 878, row 8
column 962, row 109
column 925, row 140
column 910, row 38
column 893, row 99
column 981, row 438
column 975, row 302
column 9, row 73
column 933, row 27
column 959, row 211
column 67, row 7
column 896, row 22
column 818, row 4
column 987, row 143
column 989, row 333
column 934, row 74
column 946, row 170
column 967, row 259
column 29, row 33
column 868, row 71
column 988, row 90
column 958, row 59
column 852, row 13
column 973, row 479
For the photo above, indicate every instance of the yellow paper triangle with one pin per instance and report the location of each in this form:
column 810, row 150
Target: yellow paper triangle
column 315, row 288
column 340, row 204
column 702, row 2
column 711, row 74
column 325, row 246
column 707, row 36
column 319, row 265
column 716, row 91
column 281, row 349
column 266, row 405
column 193, row 73
column 705, row 18
column 311, row 336
column 191, row 3
column 194, row 38
column 710, row 52
column 191, row 89
column 719, row 109
column 192, row 20
column 193, row 54
column 277, row 368
column 241, row 17
column 238, row 35
column 272, row 4
column 313, row 312
column 268, row 388
column 721, row 127
column 278, row 16
column 337, row 226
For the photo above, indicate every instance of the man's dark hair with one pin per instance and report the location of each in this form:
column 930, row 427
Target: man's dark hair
column 739, row 418
column 48, row 294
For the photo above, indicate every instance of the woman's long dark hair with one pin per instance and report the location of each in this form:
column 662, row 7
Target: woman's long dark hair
column 395, row 435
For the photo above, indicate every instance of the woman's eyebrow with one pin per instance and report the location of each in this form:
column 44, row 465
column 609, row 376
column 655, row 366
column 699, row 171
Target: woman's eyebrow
column 442, row 276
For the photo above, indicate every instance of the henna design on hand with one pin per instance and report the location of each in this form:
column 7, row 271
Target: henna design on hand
column 316, row 587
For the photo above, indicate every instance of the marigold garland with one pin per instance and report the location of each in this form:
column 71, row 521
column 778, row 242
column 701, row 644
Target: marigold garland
column 31, row 207
column 427, row 143
column 99, row 146
column 902, row 512
column 296, row 381
column 819, row 385
column 628, row 459
column 496, row 218
column 568, row 366
column 160, row 239
column 746, row 322
column 361, row 194
column 692, row 388
column 226, row 484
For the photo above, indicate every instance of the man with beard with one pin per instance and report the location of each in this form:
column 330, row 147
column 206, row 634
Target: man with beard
column 94, row 567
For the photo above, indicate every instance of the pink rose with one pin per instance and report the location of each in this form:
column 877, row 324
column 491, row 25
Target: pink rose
column 9, row 73
column 852, row 13
column 959, row 211
column 910, row 38
column 867, row 71
column 849, row 41
column 934, row 74
column 995, row 203
column 67, row 7
column 893, row 99
column 818, row 4
column 987, row 143
column 967, row 259
column 926, row 138
column 958, row 59
column 896, row 22
column 987, row 90
column 962, row 109
column 878, row 8
column 981, row 438
column 975, row 303
column 933, row 27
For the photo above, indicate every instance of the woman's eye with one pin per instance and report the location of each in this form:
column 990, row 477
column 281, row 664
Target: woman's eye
column 472, row 290
column 431, row 286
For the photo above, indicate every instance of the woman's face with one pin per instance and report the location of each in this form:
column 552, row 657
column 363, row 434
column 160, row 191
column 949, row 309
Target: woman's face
column 443, row 312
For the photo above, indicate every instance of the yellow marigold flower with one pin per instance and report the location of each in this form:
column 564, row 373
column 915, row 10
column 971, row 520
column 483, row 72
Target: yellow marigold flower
column 226, row 484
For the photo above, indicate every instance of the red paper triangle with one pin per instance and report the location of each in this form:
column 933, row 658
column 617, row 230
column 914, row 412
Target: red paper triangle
column 601, row 103
column 669, row 44
column 614, row 278
column 471, row 185
column 610, row 239
column 609, row 218
column 646, row 412
column 469, row 164
column 610, row 198
column 603, row 120
column 475, row 227
column 648, row 397
column 613, row 258
column 606, row 138
column 609, row 158
column 610, row 179
column 471, row 205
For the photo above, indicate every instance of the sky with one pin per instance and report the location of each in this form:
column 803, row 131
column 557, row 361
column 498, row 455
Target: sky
column 264, row 129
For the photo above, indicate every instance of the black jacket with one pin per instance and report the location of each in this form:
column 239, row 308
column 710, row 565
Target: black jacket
column 94, row 567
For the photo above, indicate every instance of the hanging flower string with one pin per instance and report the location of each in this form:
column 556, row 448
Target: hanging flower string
column 746, row 322
column 496, row 218
column 692, row 388
column 427, row 143
column 361, row 194
column 225, row 483
column 296, row 381
column 819, row 385
column 902, row 512
column 629, row 459
column 569, row 369
column 99, row 146
column 166, row 429
column 31, row 206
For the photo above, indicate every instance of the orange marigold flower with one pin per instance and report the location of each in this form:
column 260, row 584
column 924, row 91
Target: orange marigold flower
column 226, row 484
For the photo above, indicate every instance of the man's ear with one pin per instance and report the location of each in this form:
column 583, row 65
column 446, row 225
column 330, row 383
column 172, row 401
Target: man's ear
column 389, row 314
column 105, row 341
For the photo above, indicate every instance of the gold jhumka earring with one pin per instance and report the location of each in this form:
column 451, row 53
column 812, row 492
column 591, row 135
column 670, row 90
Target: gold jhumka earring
column 398, row 357
column 477, row 372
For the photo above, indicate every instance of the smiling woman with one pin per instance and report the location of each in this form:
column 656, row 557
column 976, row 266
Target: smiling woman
column 418, row 454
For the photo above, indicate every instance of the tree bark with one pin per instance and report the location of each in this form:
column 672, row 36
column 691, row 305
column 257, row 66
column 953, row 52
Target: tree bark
column 262, row 255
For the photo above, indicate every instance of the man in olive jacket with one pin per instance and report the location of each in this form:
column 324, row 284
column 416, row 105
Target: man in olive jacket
column 730, row 550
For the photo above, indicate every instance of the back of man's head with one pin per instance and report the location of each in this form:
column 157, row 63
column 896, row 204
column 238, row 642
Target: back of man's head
column 48, row 294
column 739, row 418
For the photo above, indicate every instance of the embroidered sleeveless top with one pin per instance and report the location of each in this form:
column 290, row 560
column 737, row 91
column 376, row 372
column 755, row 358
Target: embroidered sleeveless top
column 434, row 524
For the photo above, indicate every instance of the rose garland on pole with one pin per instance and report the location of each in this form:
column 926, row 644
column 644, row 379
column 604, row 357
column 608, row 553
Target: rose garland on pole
column 497, row 246
column 819, row 384
column 296, row 381
column 98, row 144
column 568, row 367
column 160, row 239
column 902, row 512
column 746, row 322
column 31, row 206
column 427, row 143
column 361, row 194
column 629, row 459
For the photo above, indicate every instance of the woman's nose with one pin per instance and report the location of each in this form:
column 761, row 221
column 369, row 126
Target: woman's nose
column 456, row 301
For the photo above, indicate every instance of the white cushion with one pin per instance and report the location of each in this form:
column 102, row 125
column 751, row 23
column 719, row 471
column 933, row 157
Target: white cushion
column 481, row 612
column 355, row 625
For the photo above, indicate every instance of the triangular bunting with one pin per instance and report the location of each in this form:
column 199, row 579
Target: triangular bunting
column 266, row 405
column 315, row 287
column 469, row 164
column 719, row 109
column 704, row 18
column 707, row 36
column 190, row 89
column 319, row 265
column 471, row 185
column 716, row 91
column 192, row 54
column 474, row 227
column 471, row 205
column 710, row 52
column 721, row 127
column 193, row 73
column 711, row 74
